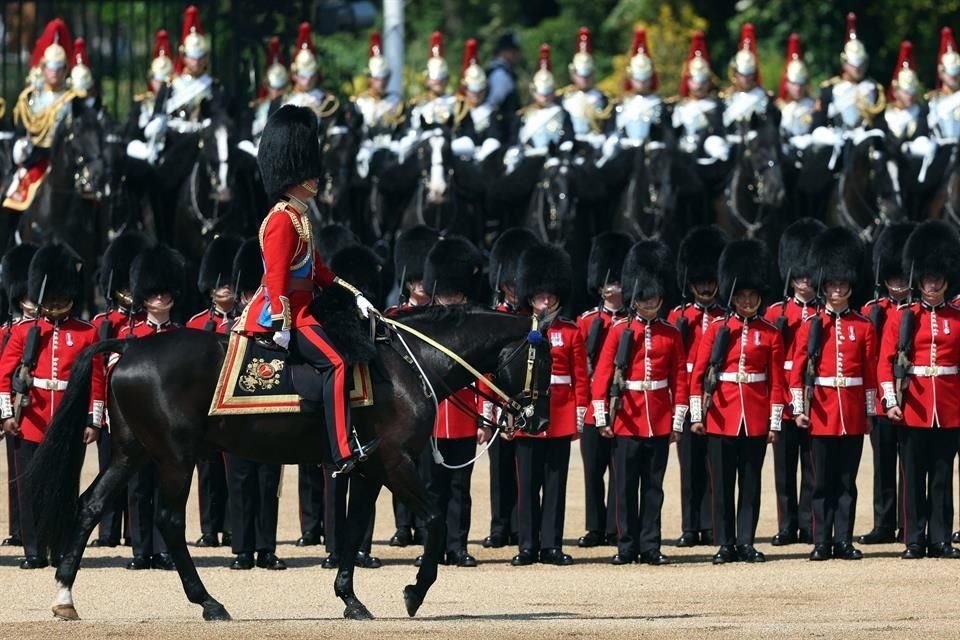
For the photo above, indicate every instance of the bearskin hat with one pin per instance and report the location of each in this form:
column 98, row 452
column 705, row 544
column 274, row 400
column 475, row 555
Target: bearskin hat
column 645, row 271
column 14, row 269
column 606, row 258
column 453, row 266
column 114, row 272
column 888, row 251
column 544, row 268
column 362, row 268
column 744, row 264
column 61, row 269
column 794, row 248
column 216, row 267
column 933, row 249
column 836, row 254
column 247, row 267
column 699, row 254
column 505, row 256
column 159, row 269
column 289, row 151
column 410, row 252
column 332, row 238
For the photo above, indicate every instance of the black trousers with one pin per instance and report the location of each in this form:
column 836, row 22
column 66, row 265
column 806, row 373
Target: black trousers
column 450, row 490
column 313, row 345
column 254, row 504
column 503, row 487
column 926, row 459
column 696, row 508
column 403, row 517
column 597, row 454
column 13, row 496
column 115, row 514
column 638, row 468
column 543, row 465
column 736, row 463
column 337, row 500
column 792, row 449
column 23, row 454
column 835, row 461
column 310, row 487
column 212, row 494
column 886, row 471
column 143, row 497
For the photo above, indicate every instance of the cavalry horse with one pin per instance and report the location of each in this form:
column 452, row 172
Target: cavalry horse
column 160, row 394
column 647, row 197
column 945, row 204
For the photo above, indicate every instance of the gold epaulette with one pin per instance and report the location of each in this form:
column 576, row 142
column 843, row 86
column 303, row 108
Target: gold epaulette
column 725, row 93
column 419, row 99
column 672, row 100
column 829, row 82
column 3, row 107
column 460, row 110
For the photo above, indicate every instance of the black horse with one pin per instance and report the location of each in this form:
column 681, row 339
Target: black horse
column 160, row 393
column 339, row 145
column 945, row 205
column 647, row 195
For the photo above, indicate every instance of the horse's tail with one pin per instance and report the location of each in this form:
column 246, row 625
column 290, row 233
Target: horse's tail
column 53, row 477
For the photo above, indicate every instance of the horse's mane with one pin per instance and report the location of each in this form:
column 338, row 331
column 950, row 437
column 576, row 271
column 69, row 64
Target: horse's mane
column 455, row 314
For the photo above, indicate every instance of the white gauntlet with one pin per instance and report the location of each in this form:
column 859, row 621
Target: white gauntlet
column 776, row 417
column 679, row 415
column 871, row 402
column 599, row 413
column 581, row 418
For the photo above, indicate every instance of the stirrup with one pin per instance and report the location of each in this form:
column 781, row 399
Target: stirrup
column 345, row 468
column 363, row 451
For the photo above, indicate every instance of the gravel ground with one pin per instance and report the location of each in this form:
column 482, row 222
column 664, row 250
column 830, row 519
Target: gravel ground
column 788, row 597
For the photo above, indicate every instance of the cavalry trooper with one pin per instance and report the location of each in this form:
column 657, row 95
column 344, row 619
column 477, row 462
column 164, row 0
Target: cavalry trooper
column 639, row 395
column 380, row 112
column 144, row 104
column 833, row 388
column 698, row 113
column 792, row 447
column 737, row 394
column 504, row 261
column 276, row 83
column 55, row 339
column 747, row 104
column 588, row 107
column 452, row 274
column 306, row 78
column 892, row 290
column 796, row 119
column 156, row 281
column 918, row 372
column 944, row 101
column 289, row 160
column 81, row 76
column 38, row 111
column 216, row 284
column 435, row 106
column 697, row 261
column 544, row 281
column 14, row 270
column 475, row 118
column 640, row 112
column 114, row 279
column 253, row 486
column 604, row 267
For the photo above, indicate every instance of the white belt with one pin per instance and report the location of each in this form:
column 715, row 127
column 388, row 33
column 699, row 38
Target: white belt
column 742, row 377
column 646, row 385
column 50, row 385
column 567, row 380
column 838, row 382
column 933, row 372
column 788, row 365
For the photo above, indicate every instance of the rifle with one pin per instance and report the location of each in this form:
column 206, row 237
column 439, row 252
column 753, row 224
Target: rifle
column 497, row 294
column 211, row 324
column 814, row 351
column 717, row 355
column 23, row 379
column 902, row 363
column 782, row 318
column 622, row 360
column 875, row 311
column 594, row 334
column 103, row 333
column 683, row 325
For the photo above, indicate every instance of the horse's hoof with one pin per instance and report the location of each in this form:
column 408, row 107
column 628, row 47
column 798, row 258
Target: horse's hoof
column 215, row 612
column 412, row 600
column 64, row 612
column 357, row 612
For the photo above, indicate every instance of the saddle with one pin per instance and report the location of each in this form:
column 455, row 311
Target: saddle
column 20, row 197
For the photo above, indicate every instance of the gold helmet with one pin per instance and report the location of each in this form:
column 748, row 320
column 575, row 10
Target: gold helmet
column 51, row 50
column 582, row 64
column 81, row 77
column 437, row 68
column 377, row 66
column 472, row 76
column 641, row 65
column 161, row 67
column 949, row 59
column 305, row 60
column 543, row 82
column 193, row 42
column 854, row 53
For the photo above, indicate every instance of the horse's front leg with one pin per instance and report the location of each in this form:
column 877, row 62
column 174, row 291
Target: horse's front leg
column 362, row 500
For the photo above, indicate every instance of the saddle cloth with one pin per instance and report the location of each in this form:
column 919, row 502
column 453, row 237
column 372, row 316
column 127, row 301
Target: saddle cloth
column 20, row 196
column 258, row 379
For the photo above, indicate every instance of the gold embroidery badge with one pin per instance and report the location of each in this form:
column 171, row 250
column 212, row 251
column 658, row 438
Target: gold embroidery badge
column 261, row 375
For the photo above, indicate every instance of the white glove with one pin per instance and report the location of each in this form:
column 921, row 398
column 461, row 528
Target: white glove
column 282, row 338
column 490, row 145
column 138, row 150
column 153, row 128
column 365, row 306
column 247, row 146
column 21, row 150
column 716, row 147
column 463, row 147
column 920, row 147
column 581, row 418
column 825, row 137
column 610, row 146
column 801, row 142
column 599, row 413
column 566, row 146
column 510, row 159
column 363, row 161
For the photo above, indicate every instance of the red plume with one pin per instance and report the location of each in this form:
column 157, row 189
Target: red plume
column 376, row 45
column 469, row 55
column 794, row 52
column 748, row 41
column 436, row 45
column 80, row 52
column 161, row 43
column 640, row 44
column 274, row 52
column 584, row 41
column 305, row 37
column 851, row 27
column 56, row 31
column 698, row 48
column 947, row 43
column 544, row 61
column 191, row 22
column 905, row 60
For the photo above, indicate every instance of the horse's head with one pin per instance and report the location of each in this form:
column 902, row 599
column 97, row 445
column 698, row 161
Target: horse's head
column 214, row 158
column 338, row 151
column 762, row 155
column 554, row 198
column 651, row 192
column 436, row 168
column 523, row 372
column 79, row 147
column 881, row 171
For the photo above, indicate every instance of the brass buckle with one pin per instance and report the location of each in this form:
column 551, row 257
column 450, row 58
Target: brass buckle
column 742, row 377
column 840, row 382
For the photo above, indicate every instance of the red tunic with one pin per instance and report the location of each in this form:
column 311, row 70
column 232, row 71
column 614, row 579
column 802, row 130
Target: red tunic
column 146, row 328
column 117, row 319
column 569, row 382
column 794, row 312
column 454, row 422
column 698, row 318
column 585, row 322
column 60, row 344
column 932, row 397
column 845, row 392
column 221, row 321
column 654, row 397
column 292, row 267
column 752, row 389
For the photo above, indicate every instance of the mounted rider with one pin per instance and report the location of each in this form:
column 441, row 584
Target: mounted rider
column 381, row 113
column 748, row 106
column 794, row 102
column 944, row 101
column 640, row 113
column 275, row 85
column 475, row 117
column 588, row 107
column 289, row 159
column 144, row 104
column 306, row 77
column 436, row 106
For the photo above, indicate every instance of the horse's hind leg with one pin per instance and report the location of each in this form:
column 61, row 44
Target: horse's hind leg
column 362, row 499
column 171, row 520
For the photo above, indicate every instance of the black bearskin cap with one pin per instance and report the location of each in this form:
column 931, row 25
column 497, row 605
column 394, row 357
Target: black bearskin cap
column 159, row 269
column 645, row 271
column 933, row 249
column 62, row 269
column 289, row 151
column 795, row 247
column 410, row 252
column 544, row 268
column 699, row 254
column 216, row 267
column 607, row 254
column 836, row 254
column 332, row 238
column 361, row 267
column 115, row 270
column 744, row 264
column 888, row 251
column 505, row 256
column 453, row 266
column 14, row 270
column 247, row 267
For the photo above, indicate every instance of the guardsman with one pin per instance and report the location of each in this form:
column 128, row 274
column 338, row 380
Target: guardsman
column 737, row 395
column 216, row 284
column 588, row 107
column 945, row 100
column 747, row 103
column 792, row 447
column 833, row 388
column 114, row 278
column 919, row 374
column 697, row 278
column 156, row 281
column 544, row 280
column 642, row 372
column 892, row 289
column 56, row 339
column 604, row 267
column 253, row 486
column 14, row 270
